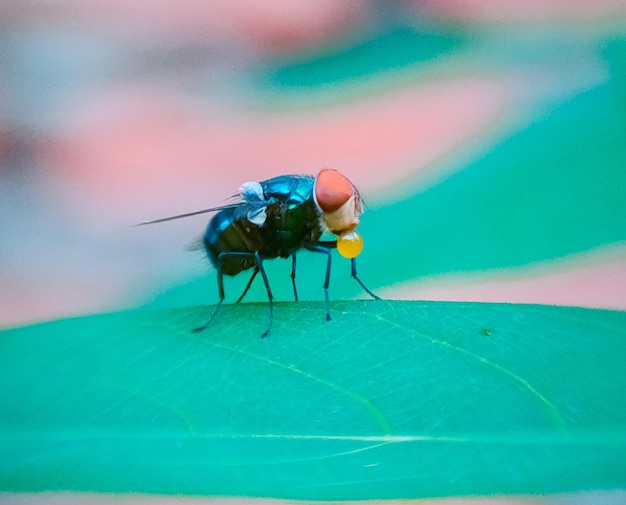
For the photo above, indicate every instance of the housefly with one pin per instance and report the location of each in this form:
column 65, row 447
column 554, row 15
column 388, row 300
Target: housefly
column 276, row 218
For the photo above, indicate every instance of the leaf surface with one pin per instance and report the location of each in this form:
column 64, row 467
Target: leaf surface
column 389, row 400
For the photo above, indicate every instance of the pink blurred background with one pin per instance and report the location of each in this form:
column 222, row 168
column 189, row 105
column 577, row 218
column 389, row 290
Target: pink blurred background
column 113, row 112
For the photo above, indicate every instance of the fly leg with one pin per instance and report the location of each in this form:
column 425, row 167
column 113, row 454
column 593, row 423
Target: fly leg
column 220, row 283
column 323, row 249
column 259, row 266
column 220, row 290
column 245, row 291
column 356, row 278
column 333, row 244
column 293, row 276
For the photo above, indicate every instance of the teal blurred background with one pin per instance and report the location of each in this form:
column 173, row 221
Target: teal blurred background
column 487, row 138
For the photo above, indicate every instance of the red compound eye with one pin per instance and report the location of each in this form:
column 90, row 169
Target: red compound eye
column 332, row 190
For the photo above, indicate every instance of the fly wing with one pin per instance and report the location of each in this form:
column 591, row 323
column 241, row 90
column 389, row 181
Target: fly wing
column 194, row 213
column 250, row 202
column 257, row 201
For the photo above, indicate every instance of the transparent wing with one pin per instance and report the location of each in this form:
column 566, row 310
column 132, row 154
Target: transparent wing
column 251, row 200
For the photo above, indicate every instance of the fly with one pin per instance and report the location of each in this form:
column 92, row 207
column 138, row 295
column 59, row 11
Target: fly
column 276, row 218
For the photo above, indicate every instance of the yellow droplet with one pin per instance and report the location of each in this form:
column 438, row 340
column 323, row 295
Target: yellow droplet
column 350, row 244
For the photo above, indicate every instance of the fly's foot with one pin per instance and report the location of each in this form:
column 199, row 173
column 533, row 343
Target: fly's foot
column 205, row 325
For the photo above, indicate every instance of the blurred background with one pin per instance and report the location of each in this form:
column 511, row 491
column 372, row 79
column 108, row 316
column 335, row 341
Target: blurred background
column 488, row 139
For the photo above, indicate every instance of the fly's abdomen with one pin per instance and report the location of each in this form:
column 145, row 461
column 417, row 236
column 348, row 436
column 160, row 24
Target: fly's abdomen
column 226, row 234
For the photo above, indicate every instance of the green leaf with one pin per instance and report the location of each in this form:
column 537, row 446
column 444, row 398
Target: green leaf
column 389, row 400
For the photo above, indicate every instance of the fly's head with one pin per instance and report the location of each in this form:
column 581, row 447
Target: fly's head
column 340, row 205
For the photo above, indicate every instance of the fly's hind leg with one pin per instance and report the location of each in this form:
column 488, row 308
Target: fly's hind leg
column 220, row 290
column 259, row 265
column 245, row 291
column 220, row 284
column 293, row 276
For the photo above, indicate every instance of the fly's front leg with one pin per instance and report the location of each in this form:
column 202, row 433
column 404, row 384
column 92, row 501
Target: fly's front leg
column 322, row 249
column 356, row 278
column 331, row 244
